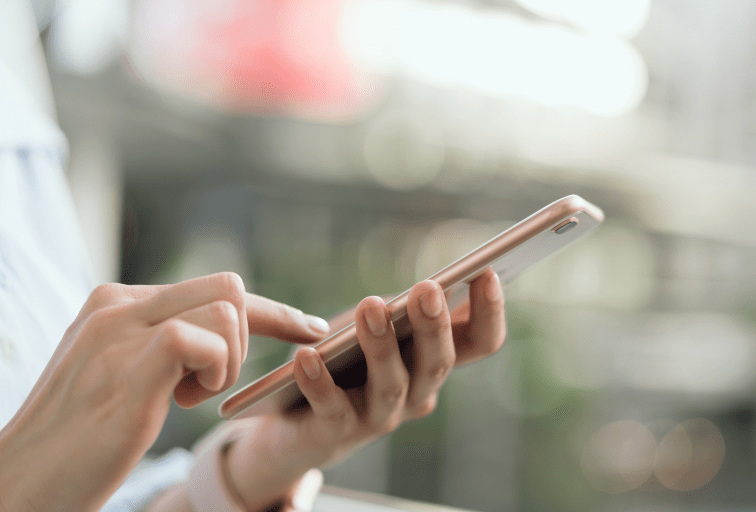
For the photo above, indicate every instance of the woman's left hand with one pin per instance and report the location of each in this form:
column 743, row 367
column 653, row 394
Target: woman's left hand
column 277, row 450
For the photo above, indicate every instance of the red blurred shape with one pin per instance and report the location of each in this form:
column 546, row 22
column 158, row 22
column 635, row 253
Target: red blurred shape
column 274, row 56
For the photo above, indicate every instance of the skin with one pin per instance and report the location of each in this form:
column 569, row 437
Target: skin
column 265, row 466
column 104, row 396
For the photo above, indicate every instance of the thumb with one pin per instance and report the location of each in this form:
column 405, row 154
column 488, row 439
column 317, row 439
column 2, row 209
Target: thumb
column 275, row 320
column 302, row 497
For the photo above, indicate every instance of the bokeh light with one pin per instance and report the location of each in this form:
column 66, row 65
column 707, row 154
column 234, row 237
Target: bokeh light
column 619, row 17
column 619, row 457
column 403, row 151
column 88, row 35
column 495, row 54
column 622, row 455
column 259, row 56
column 690, row 455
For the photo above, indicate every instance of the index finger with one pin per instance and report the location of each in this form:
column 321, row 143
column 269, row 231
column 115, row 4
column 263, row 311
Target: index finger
column 276, row 320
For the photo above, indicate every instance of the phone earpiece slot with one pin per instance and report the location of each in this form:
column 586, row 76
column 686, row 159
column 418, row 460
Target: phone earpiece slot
column 566, row 225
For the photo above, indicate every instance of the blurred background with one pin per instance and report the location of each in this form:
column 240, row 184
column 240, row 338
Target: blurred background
column 331, row 149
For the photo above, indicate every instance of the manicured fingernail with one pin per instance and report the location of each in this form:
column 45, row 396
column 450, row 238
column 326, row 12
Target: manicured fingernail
column 310, row 363
column 494, row 287
column 376, row 321
column 317, row 324
column 431, row 304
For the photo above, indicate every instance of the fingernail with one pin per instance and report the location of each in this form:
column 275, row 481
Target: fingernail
column 494, row 287
column 376, row 321
column 431, row 304
column 310, row 363
column 317, row 324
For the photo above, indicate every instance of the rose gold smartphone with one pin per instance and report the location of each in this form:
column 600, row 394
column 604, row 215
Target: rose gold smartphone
column 509, row 253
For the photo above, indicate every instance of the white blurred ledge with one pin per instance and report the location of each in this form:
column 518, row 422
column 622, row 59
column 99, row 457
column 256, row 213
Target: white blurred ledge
column 335, row 499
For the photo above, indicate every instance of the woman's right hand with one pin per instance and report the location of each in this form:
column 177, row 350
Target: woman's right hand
column 103, row 397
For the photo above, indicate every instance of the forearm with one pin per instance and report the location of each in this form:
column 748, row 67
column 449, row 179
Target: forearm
column 41, row 472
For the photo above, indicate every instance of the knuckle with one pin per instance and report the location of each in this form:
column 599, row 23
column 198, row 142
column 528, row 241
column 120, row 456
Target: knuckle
column 232, row 285
column 224, row 311
column 443, row 324
column 283, row 312
column 391, row 426
column 496, row 343
column 101, row 316
column 497, row 304
column 101, row 321
column 393, row 394
column 425, row 408
column 441, row 370
column 234, row 281
column 341, row 423
column 105, row 294
column 339, row 417
column 171, row 336
column 385, row 427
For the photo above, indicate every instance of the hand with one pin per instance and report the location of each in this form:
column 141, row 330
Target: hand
column 102, row 399
column 278, row 449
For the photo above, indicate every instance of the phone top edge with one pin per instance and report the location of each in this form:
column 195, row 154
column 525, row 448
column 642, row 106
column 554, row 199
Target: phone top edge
column 516, row 235
column 485, row 254
column 578, row 203
column 555, row 211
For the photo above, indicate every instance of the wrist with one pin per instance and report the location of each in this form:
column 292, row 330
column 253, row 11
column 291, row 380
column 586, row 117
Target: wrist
column 261, row 472
column 228, row 483
column 256, row 490
column 209, row 488
column 240, row 468
column 213, row 486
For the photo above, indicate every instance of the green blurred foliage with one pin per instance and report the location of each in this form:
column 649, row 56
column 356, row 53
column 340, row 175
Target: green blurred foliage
column 551, row 478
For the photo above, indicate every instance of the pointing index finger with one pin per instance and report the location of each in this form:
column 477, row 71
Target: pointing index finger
column 276, row 320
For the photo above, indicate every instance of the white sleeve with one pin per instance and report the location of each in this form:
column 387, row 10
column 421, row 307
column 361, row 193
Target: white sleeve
column 150, row 478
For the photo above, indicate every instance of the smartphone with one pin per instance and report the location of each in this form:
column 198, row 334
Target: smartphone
column 509, row 253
